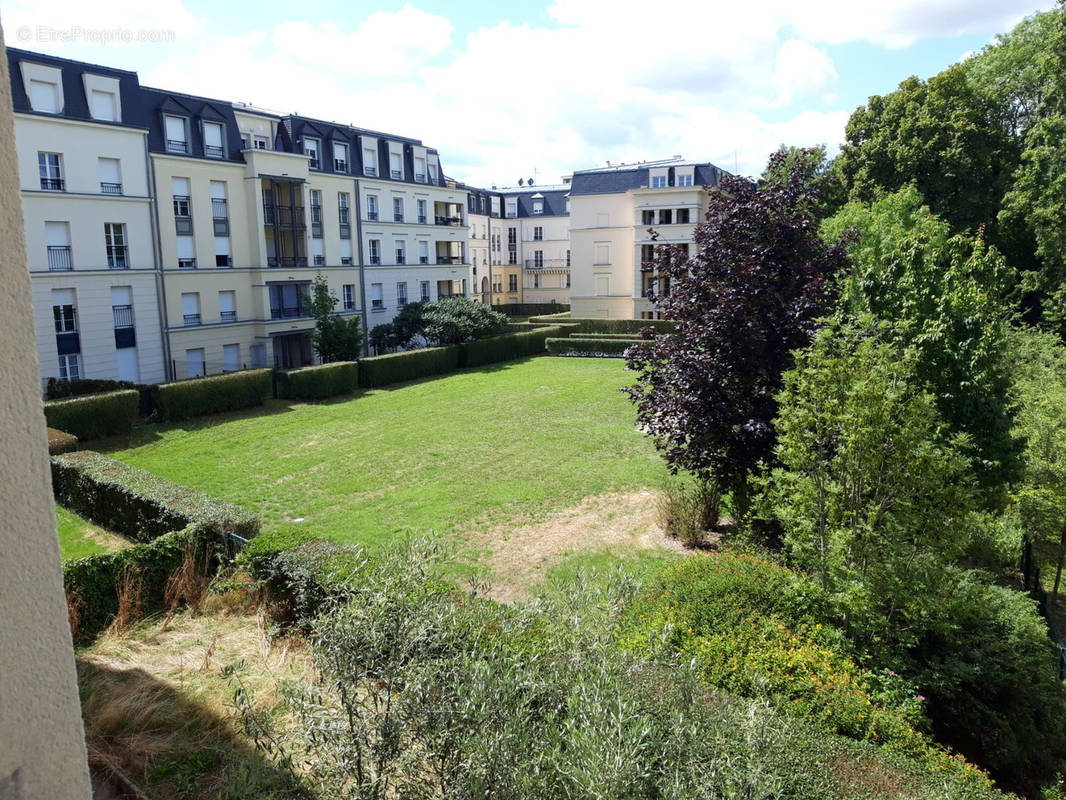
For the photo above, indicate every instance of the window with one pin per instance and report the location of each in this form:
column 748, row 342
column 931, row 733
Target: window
column 349, row 296
column 259, row 355
column 219, row 208
column 213, row 140
column 377, row 302
column 65, row 318
column 317, row 251
column 374, row 245
column 186, row 252
column 115, row 244
column 69, row 368
column 568, row 258
column 536, row 280
column 538, row 234
column 190, row 308
column 395, row 166
column 223, row 258
column 231, row 357
column 370, row 161
column 260, row 143
column 602, row 253
column 227, row 305
column 568, row 205
column 244, row 142
column 603, row 285
column 538, row 206
column 50, row 165
column 346, row 252
column 421, row 204
column 44, row 96
column 103, row 105
column 684, row 180
column 512, row 207
column 666, row 216
column 423, row 252
column 401, row 252
column 538, row 259
column 512, row 257
column 311, row 151
column 568, row 279
column 401, row 294
column 372, row 207
column 647, row 217
column 179, row 188
column 288, row 300
column 177, row 134
column 432, row 172
column 316, row 207
column 512, row 283
column 110, row 175
column 340, row 157
column 420, row 169
column 122, row 307
column 658, row 182
column 194, row 363
column 343, row 208
column 424, row 286
column 682, row 216
column 57, row 242
column 397, row 209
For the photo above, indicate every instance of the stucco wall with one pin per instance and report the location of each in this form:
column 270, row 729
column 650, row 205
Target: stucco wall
column 42, row 742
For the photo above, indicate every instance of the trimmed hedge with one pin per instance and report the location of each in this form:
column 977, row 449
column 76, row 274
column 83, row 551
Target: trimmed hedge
column 608, row 347
column 57, row 389
column 507, row 346
column 531, row 309
column 632, row 337
column 630, row 326
column 409, row 365
column 94, row 415
column 60, row 442
column 315, row 383
column 92, row 584
column 136, row 503
column 213, row 395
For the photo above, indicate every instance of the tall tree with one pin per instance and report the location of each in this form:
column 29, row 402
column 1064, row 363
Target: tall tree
column 748, row 296
column 334, row 337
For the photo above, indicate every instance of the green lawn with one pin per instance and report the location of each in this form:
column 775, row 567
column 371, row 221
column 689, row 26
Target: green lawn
column 521, row 438
column 79, row 538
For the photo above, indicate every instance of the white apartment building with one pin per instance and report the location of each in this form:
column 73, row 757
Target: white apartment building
column 613, row 210
column 86, row 200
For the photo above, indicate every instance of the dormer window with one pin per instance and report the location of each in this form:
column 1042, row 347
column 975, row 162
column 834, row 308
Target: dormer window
column 311, row 151
column 432, row 172
column 512, row 207
column 340, row 157
column 177, row 134
column 684, row 179
column 44, row 96
column 104, row 105
column 658, row 182
column 260, row 143
column 420, row 170
column 396, row 166
column 213, row 140
column 538, row 206
column 370, row 162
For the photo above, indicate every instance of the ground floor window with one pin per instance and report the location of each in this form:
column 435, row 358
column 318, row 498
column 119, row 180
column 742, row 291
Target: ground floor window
column 69, row 367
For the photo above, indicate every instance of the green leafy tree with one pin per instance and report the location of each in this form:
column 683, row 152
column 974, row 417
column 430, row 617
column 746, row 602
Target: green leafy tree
column 454, row 320
column 945, row 297
column 334, row 338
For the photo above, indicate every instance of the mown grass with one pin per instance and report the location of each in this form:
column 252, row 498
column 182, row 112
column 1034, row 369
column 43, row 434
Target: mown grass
column 473, row 448
column 79, row 538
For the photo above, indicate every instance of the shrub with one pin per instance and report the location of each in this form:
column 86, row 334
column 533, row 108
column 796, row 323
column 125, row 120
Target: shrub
column 532, row 309
column 314, row 383
column 408, row 366
column 60, row 442
column 57, row 389
column 454, row 320
column 630, row 326
column 213, row 395
column 571, row 346
column 506, row 347
column 687, row 512
column 629, row 337
column 137, row 504
column 133, row 581
column 95, row 415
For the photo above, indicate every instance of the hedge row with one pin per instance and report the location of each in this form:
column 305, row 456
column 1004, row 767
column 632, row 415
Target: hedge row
column 506, row 347
column 589, row 325
column 93, row 416
column 93, row 583
column 315, row 383
column 212, row 395
column 531, row 309
column 57, row 389
column 611, row 347
column 632, row 337
column 409, row 365
column 60, row 442
column 136, row 503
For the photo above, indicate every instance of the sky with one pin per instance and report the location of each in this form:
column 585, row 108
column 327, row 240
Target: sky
column 526, row 89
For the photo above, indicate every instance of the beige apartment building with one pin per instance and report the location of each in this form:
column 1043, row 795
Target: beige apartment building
column 612, row 213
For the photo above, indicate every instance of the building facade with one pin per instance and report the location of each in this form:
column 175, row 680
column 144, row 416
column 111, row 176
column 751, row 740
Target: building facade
column 614, row 211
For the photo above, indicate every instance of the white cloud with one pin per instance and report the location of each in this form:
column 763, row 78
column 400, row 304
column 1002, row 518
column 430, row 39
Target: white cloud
column 802, row 70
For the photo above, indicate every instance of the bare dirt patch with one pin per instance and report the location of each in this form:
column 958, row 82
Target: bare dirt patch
column 521, row 549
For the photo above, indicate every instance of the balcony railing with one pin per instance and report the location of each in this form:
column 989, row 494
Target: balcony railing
column 288, row 312
column 286, row 261
column 372, row 216
column 546, row 263
column 177, row 146
column 397, row 217
column 117, row 257
column 214, row 151
column 339, row 165
column 421, row 219
column 191, row 320
column 396, row 174
column 346, row 261
column 420, row 177
column 59, row 258
column 375, row 259
column 52, row 184
column 284, row 216
column 227, row 316
column 219, row 208
column 371, row 171
column 110, row 188
column 423, row 259
column 186, row 263
column 123, row 316
column 320, row 261
column 449, row 260
column 445, row 220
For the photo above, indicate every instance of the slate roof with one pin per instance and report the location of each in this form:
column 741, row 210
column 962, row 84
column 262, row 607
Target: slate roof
column 623, row 177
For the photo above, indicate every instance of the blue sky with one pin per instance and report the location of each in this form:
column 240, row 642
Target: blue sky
column 508, row 90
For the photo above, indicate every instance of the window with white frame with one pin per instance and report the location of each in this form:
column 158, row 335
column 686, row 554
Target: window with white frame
column 346, row 252
column 397, row 209
column 349, row 296
column 213, row 147
column 538, row 206
column 340, row 157
column 110, row 171
column 420, row 169
column 432, row 172
column 374, row 250
column 64, row 311
column 370, row 161
column 568, row 205
column 538, row 234
column 69, row 367
column 396, row 166
column 538, row 259
column 311, row 149
column 177, row 133
column 115, row 245
column 423, row 252
column 424, row 291
column 343, row 208
column 377, row 300
column 512, row 207
column 44, row 96
column 401, row 294
column 684, row 179
column 190, row 308
column 658, row 182
column 422, row 213
column 318, row 253
column 316, row 206
column 260, row 143
column 227, row 305
column 372, row 207
column 50, row 167
column 401, row 252
column 104, row 105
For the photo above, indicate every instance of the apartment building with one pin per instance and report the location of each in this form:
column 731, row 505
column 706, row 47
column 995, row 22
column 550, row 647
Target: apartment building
column 81, row 138
column 523, row 235
column 613, row 212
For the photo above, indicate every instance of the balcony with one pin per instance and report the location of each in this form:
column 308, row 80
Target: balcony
column 214, row 151
column 52, row 184
column 110, row 188
column 228, row 316
column 439, row 220
column 177, row 146
column 288, row 312
column 287, row 261
column 449, row 260
column 117, row 257
column 284, row 216
column 191, row 320
column 546, row 263
column 59, row 258
column 186, row 263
